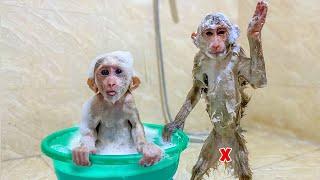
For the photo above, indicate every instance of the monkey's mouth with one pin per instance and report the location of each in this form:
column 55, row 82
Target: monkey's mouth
column 111, row 93
column 217, row 52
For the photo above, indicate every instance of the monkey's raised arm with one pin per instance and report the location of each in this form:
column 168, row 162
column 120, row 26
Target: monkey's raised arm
column 254, row 69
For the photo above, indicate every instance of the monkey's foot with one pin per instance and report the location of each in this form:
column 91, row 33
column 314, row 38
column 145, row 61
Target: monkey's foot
column 201, row 168
column 245, row 177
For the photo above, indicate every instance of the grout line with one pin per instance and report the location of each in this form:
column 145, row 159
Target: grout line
column 288, row 158
column 19, row 158
column 50, row 167
column 278, row 131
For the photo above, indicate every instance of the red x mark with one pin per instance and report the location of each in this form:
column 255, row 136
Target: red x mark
column 225, row 154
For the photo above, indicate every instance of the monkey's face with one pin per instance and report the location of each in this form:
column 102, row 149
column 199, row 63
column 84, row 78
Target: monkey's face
column 112, row 81
column 214, row 41
column 215, row 34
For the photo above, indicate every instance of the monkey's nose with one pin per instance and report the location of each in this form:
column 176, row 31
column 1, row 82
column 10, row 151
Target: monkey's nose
column 112, row 85
column 215, row 47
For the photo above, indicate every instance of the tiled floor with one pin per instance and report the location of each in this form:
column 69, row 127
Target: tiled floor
column 272, row 156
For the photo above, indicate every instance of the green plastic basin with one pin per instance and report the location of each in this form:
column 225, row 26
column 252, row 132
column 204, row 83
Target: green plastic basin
column 112, row 167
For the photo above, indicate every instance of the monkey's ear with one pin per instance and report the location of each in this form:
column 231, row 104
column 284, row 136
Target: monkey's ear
column 194, row 38
column 135, row 83
column 193, row 35
column 92, row 85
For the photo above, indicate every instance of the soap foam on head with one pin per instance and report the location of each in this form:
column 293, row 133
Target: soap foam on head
column 125, row 60
column 152, row 135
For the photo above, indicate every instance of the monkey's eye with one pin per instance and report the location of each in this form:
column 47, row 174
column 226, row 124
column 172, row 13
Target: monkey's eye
column 105, row 72
column 221, row 32
column 118, row 71
column 208, row 33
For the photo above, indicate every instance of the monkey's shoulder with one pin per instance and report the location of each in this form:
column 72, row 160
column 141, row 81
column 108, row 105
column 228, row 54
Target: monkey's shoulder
column 198, row 58
column 129, row 99
column 91, row 105
column 97, row 107
column 96, row 104
column 129, row 105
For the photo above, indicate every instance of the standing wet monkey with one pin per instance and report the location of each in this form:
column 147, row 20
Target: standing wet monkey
column 221, row 72
column 110, row 119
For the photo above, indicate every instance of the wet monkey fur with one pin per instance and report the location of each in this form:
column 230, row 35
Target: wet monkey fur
column 221, row 72
column 110, row 118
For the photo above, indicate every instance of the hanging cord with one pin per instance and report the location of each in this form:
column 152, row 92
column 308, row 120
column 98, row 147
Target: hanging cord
column 163, row 89
column 197, row 137
column 174, row 11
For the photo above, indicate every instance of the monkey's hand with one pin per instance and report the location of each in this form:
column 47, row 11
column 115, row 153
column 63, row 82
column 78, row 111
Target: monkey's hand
column 151, row 154
column 80, row 155
column 258, row 20
column 167, row 131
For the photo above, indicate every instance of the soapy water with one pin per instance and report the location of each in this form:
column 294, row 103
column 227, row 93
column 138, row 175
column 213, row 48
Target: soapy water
column 151, row 135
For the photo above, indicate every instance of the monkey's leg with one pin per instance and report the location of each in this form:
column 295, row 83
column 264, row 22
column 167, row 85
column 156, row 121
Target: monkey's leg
column 208, row 157
column 240, row 158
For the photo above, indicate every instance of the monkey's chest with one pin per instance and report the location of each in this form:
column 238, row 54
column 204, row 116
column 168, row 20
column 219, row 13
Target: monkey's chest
column 219, row 89
column 114, row 128
column 216, row 78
